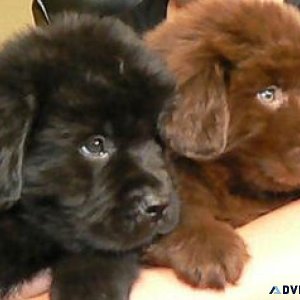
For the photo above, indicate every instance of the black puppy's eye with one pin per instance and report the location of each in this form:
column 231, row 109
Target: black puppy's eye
column 95, row 147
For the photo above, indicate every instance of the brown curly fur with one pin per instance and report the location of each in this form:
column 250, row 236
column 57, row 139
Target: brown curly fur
column 234, row 157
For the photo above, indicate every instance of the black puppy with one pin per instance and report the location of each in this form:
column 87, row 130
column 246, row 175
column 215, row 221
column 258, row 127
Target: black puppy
column 79, row 101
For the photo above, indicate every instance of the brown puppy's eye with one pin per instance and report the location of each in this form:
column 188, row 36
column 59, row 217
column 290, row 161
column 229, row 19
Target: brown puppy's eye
column 94, row 147
column 267, row 95
column 271, row 96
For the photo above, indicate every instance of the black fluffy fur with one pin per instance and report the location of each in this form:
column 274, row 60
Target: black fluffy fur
column 86, row 217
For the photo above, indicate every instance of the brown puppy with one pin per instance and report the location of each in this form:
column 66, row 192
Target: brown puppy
column 235, row 131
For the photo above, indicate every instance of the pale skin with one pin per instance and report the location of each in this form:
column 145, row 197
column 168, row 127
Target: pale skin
column 272, row 241
column 274, row 247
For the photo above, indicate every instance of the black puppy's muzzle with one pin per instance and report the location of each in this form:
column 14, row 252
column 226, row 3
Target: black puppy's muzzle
column 160, row 210
column 155, row 195
column 149, row 203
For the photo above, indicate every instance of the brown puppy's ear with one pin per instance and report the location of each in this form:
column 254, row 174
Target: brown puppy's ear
column 15, row 119
column 197, row 125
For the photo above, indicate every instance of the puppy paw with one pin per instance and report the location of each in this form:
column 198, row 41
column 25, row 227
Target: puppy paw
column 207, row 258
column 82, row 294
column 67, row 290
column 95, row 276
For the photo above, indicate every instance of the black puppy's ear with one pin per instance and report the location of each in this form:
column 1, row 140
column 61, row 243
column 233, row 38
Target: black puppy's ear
column 197, row 125
column 15, row 119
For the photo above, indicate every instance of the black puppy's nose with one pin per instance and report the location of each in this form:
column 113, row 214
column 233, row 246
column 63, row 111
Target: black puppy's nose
column 156, row 212
column 153, row 206
column 149, row 203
